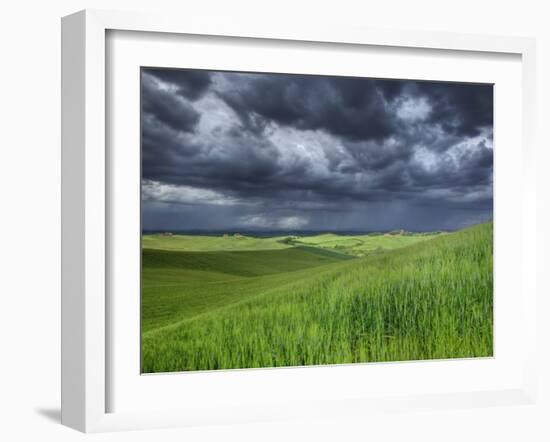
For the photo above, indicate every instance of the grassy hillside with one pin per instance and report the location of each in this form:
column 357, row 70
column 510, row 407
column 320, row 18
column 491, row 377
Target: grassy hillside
column 198, row 243
column 179, row 285
column 296, row 306
column 361, row 245
column 243, row 263
column 356, row 245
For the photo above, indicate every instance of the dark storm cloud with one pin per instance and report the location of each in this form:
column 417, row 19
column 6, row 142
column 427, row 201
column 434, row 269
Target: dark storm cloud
column 167, row 107
column 462, row 109
column 335, row 105
column 470, row 169
column 294, row 151
column 188, row 84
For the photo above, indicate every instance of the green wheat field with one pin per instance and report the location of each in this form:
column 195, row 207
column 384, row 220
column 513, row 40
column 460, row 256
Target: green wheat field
column 233, row 301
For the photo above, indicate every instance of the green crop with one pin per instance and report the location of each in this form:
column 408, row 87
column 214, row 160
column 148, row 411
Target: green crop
column 305, row 302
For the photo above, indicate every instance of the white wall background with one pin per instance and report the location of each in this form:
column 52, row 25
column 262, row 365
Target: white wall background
column 30, row 216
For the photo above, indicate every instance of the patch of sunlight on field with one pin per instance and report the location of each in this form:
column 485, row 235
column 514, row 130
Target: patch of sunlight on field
column 203, row 243
column 355, row 245
column 361, row 245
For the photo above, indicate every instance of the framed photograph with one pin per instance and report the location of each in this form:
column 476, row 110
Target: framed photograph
column 262, row 222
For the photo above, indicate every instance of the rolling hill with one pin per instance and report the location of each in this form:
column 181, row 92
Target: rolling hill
column 314, row 301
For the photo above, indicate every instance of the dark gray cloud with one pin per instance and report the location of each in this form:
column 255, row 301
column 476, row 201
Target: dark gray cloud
column 335, row 105
column 167, row 107
column 190, row 84
column 275, row 151
column 462, row 109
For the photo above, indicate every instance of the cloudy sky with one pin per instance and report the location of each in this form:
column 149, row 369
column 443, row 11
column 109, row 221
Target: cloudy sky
column 243, row 152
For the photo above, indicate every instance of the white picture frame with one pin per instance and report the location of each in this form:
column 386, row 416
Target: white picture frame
column 86, row 207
